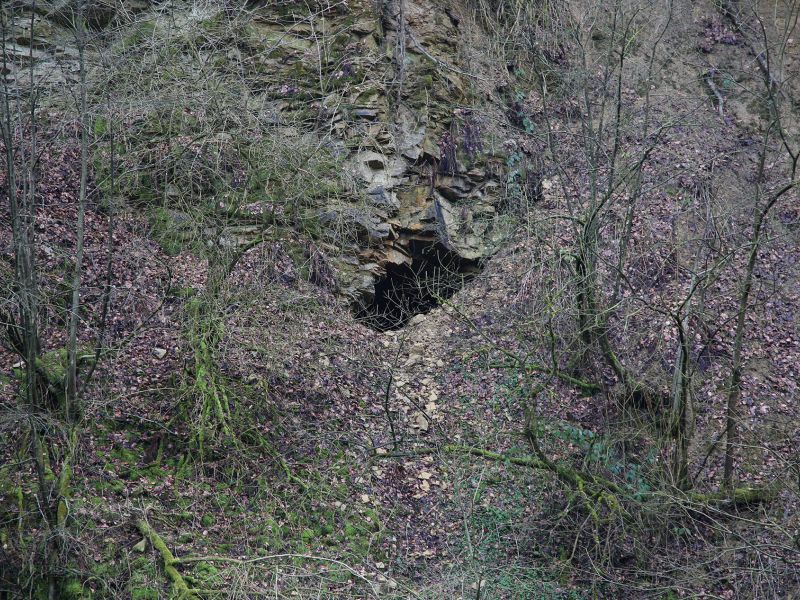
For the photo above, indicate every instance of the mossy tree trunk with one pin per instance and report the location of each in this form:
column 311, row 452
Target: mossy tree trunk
column 71, row 392
column 212, row 409
column 209, row 389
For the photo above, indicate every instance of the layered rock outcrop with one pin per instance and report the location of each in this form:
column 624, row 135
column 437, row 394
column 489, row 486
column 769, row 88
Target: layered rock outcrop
column 410, row 122
column 386, row 87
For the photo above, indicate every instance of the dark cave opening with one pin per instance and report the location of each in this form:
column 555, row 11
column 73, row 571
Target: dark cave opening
column 435, row 274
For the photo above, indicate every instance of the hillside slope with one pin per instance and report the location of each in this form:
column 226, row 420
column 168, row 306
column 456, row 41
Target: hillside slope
column 402, row 299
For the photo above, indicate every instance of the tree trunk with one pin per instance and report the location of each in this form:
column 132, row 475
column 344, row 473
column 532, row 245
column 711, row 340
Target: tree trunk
column 70, row 397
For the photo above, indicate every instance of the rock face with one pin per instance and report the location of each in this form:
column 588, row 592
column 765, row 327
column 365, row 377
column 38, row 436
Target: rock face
column 396, row 106
column 44, row 32
column 382, row 86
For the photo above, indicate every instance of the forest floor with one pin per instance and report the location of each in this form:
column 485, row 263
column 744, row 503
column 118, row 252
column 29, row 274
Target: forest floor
column 353, row 508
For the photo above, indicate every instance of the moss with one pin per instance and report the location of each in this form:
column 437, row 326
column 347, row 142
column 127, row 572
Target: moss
column 214, row 24
column 53, row 365
column 760, row 107
column 125, row 455
column 350, row 531
column 138, row 34
column 743, row 496
column 143, row 564
column 154, row 473
column 183, row 292
column 167, row 231
column 223, row 501
column 131, row 474
column 372, row 520
column 145, row 593
column 39, row 591
column 207, row 521
column 103, row 571
column 100, row 126
column 110, row 549
column 205, row 575
column 73, row 590
column 308, row 535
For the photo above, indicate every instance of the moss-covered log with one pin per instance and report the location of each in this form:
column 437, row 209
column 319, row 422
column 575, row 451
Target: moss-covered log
column 737, row 497
column 588, row 484
column 180, row 590
column 598, row 487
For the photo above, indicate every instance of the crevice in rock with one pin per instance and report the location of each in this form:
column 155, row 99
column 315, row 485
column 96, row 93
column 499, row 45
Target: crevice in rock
column 432, row 274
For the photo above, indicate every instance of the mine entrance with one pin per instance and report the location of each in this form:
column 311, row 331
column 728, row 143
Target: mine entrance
column 435, row 274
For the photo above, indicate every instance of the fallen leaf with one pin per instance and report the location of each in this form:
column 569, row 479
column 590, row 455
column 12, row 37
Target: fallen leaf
column 421, row 422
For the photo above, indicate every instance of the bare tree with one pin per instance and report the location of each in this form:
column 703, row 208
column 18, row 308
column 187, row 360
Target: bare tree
column 23, row 333
column 775, row 131
column 71, row 384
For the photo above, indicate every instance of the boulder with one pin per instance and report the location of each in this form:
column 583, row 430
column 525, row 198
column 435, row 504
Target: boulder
column 390, row 138
column 381, row 198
